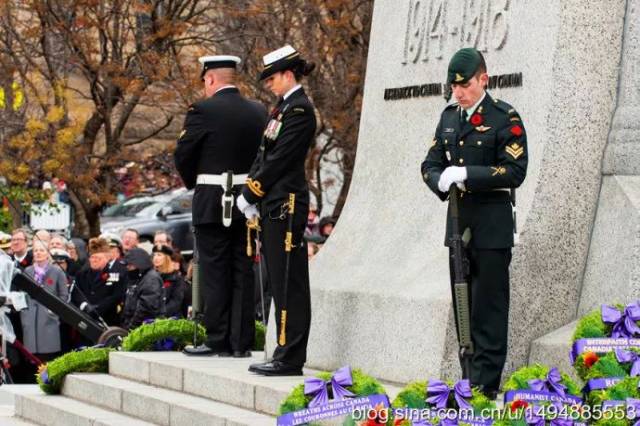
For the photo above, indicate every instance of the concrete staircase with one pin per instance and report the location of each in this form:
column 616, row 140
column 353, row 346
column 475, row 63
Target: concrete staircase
column 160, row 388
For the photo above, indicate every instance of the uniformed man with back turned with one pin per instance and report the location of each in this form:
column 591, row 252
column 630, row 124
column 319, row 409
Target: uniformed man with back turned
column 480, row 145
column 214, row 153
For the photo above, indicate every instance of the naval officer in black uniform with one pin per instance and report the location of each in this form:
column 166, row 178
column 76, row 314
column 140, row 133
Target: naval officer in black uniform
column 215, row 150
column 277, row 173
column 481, row 146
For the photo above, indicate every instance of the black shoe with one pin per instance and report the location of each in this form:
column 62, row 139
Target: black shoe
column 204, row 350
column 242, row 354
column 490, row 393
column 276, row 368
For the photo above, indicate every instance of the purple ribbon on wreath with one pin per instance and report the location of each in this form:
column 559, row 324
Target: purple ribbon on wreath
column 623, row 323
column 551, row 384
column 44, row 376
column 629, row 357
column 317, row 388
column 440, row 393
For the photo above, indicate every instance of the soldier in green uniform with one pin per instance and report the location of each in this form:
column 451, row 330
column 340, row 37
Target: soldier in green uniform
column 481, row 146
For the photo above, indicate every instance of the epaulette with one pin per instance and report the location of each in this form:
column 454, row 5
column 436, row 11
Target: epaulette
column 503, row 106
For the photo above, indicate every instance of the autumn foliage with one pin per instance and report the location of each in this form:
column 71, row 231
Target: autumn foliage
column 100, row 81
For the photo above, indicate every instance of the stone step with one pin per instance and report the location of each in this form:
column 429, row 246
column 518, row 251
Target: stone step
column 164, row 407
column 8, row 418
column 32, row 405
column 553, row 350
column 226, row 380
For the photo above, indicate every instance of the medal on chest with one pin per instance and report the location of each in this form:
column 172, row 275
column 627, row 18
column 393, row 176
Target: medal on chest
column 273, row 128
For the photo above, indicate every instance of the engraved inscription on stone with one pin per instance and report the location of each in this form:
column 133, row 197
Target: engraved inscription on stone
column 437, row 28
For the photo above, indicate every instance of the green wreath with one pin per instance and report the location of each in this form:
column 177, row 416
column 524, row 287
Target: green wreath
column 590, row 365
column 176, row 333
column 627, row 388
column 414, row 396
column 90, row 360
column 259, row 336
column 363, row 385
column 513, row 412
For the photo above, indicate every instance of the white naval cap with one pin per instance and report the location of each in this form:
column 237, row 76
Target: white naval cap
column 217, row 61
column 279, row 60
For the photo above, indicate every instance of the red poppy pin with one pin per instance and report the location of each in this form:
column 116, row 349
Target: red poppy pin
column 166, row 284
column 49, row 281
column 104, row 276
column 476, row 119
column 516, row 131
column 23, row 262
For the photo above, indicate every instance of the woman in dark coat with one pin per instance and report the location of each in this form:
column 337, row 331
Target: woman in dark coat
column 173, row 285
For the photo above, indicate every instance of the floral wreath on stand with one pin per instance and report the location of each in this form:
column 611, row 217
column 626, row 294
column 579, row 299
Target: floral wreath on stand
column 606, row 347
column 532, row 388
column 419, row 403
column 86, row 360
column 327, row 388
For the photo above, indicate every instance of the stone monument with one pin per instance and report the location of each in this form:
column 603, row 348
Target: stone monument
column 380, row 286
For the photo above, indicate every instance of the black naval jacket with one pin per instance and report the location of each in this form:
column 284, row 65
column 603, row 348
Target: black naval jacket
column 221, row 133
column 279, row 167
column 492, row 145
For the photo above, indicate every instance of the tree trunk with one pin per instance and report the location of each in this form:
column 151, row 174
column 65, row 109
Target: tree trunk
column 81, row 223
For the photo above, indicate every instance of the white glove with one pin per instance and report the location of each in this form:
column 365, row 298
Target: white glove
column 242, row 203
column 452, row 174
column 251, row 212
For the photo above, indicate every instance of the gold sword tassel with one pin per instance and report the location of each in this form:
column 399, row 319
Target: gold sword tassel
column 252, row 224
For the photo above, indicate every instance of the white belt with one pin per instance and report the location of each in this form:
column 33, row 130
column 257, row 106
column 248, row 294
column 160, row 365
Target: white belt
column 221, row 179
column 227, row 200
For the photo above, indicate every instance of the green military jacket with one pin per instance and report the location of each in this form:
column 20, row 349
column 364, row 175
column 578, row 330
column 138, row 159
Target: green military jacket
column 492, row 145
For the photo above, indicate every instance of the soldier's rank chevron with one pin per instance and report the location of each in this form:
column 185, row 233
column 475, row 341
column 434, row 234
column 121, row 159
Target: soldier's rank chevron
column 515, row 150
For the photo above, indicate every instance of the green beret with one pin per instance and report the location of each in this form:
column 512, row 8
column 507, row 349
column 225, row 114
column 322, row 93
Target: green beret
column 463, row 65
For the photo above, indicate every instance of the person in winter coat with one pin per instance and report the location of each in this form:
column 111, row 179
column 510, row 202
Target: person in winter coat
column 144, row 292
column 40, row 326
column 173, row 285
column 97, row 291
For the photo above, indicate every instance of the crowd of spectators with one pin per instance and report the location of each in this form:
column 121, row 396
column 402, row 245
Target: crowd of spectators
column 317, row 231
column 110, row 278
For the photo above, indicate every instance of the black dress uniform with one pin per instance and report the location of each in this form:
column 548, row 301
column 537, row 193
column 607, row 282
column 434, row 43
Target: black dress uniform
column 222, row 134
column 278, row 171
column 104, row 289
column 492, row 145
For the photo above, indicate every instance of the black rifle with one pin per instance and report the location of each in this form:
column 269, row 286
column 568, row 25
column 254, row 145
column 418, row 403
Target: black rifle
column 461, row 289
